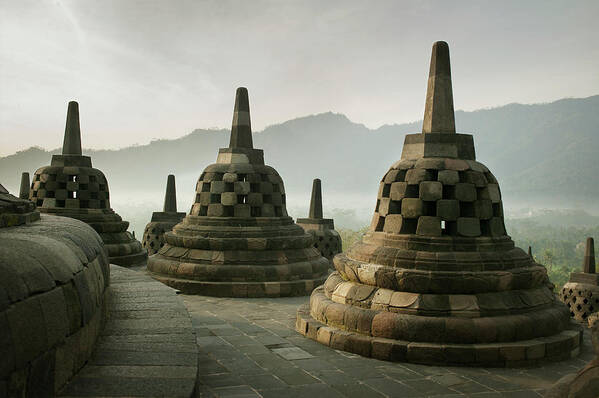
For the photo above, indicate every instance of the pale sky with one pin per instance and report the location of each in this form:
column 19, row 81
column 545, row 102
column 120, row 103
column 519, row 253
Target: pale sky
column 143, row 70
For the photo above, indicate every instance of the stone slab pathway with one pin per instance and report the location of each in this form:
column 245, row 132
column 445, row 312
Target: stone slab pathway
column 249, row 348
column 148, row 347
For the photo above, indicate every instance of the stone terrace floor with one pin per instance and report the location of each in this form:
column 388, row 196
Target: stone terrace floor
column 249, row 348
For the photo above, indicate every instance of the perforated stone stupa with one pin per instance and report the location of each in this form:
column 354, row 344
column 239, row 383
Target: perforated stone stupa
column 581, row 293
column 238, row 240
column 162, row 221
column 436, row 279
column 70, row 187
column 326, row 239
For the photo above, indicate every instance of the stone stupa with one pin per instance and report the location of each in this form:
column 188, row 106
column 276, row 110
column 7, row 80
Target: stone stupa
column 162, row 221
column 326, row 239
column 53, row 297
column 238, row 240
column 581, row 293
column 436, row 279
column 70, row 187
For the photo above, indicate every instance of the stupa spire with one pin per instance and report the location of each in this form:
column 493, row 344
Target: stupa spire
column 241, row 130
column 316, row 200
column 170, row 198
column 24, row 189
column 72, row 132
column 530, row 251
column 589, row 257
column 438, row 112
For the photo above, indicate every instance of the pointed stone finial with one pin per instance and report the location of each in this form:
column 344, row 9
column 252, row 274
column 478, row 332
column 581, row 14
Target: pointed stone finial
column 72, row 133
column 25, row 185
column 316, row 200
column 530, row 251
column 589, row 257
column 438, row 111
column 170, row 198
column 241, row 131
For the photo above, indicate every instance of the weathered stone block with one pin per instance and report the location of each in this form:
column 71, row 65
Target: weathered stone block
column 431, row 190
column 255, row 199
column 416, row 176
column 448, row 177
column 448, row 209
column 393, row 223
column 468, row 226
column 398, row 190
column 483, row 209
column 465, row 192
column 241, row 187
column 241, row 210
column 429, row 226
column 218, row 186
column 494, row 194
column 411, row 208
column 496, row 226
column 216, row 210
column 228, row 198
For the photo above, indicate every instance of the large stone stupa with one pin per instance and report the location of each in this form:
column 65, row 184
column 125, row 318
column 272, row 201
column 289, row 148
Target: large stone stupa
column 70, row 187
column 436, row 279
column 54, row 275
column 238, row 240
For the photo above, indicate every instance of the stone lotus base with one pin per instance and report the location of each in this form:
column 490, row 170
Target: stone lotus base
column 123, row 249
column 242, row 289
column 521, row 353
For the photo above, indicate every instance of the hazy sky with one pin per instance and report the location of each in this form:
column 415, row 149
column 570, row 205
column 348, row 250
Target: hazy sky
column 158, row 69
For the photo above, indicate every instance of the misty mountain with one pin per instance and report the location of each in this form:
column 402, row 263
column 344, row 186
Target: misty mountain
column 542, row 152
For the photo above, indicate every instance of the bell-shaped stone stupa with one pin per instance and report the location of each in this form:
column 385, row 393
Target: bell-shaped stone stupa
column 162, row 221
column 581, row 293
column 326, row 239
column 53, row 289
column 238, row 240
column 70, row 187
column 436, row 279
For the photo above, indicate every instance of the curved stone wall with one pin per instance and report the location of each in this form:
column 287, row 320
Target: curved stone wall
column 52, row 303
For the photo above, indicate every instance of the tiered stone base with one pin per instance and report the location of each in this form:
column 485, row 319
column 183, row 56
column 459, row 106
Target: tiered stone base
column 562, row 345
column 242, row 289
column 123, row 249
column 237, row 257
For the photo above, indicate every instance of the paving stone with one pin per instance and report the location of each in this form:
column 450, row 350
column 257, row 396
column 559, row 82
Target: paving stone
column 291, row 353
column 357, row 391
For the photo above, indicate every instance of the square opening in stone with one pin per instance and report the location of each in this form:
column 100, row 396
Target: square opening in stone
column 93, row 178
column 462, row 175
column 386, row 190
column 408, row 226
column 256, row 211
column 205, row 187
column 229, row 187
column 93, row 195
column 228, row 211
column 433, row 173
column 485, row 227
column 60, row 202
column 429, row 208
column 84, row 204
column 242, row 199
column 102, row 204
column 203, row 211
column 278, row 211
column 215, row 198
column 241, row 177
column 466, row 209
column 380, row 224
column 62, row 185
column 412, row 191
column 497, row 210
column 255, row 187
column 266, row 198
column 448, row 191
column 283, row 199
column 276, row 188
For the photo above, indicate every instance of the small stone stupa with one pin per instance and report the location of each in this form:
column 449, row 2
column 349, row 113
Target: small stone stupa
column 326, row 239
column 25, row 186
column 238, row 240
column 70, row 187
column 162, row 221
column 581, row 293
column 436, row 279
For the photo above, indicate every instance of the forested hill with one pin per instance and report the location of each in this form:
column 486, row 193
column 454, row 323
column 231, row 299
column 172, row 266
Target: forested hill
column 536, row 151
